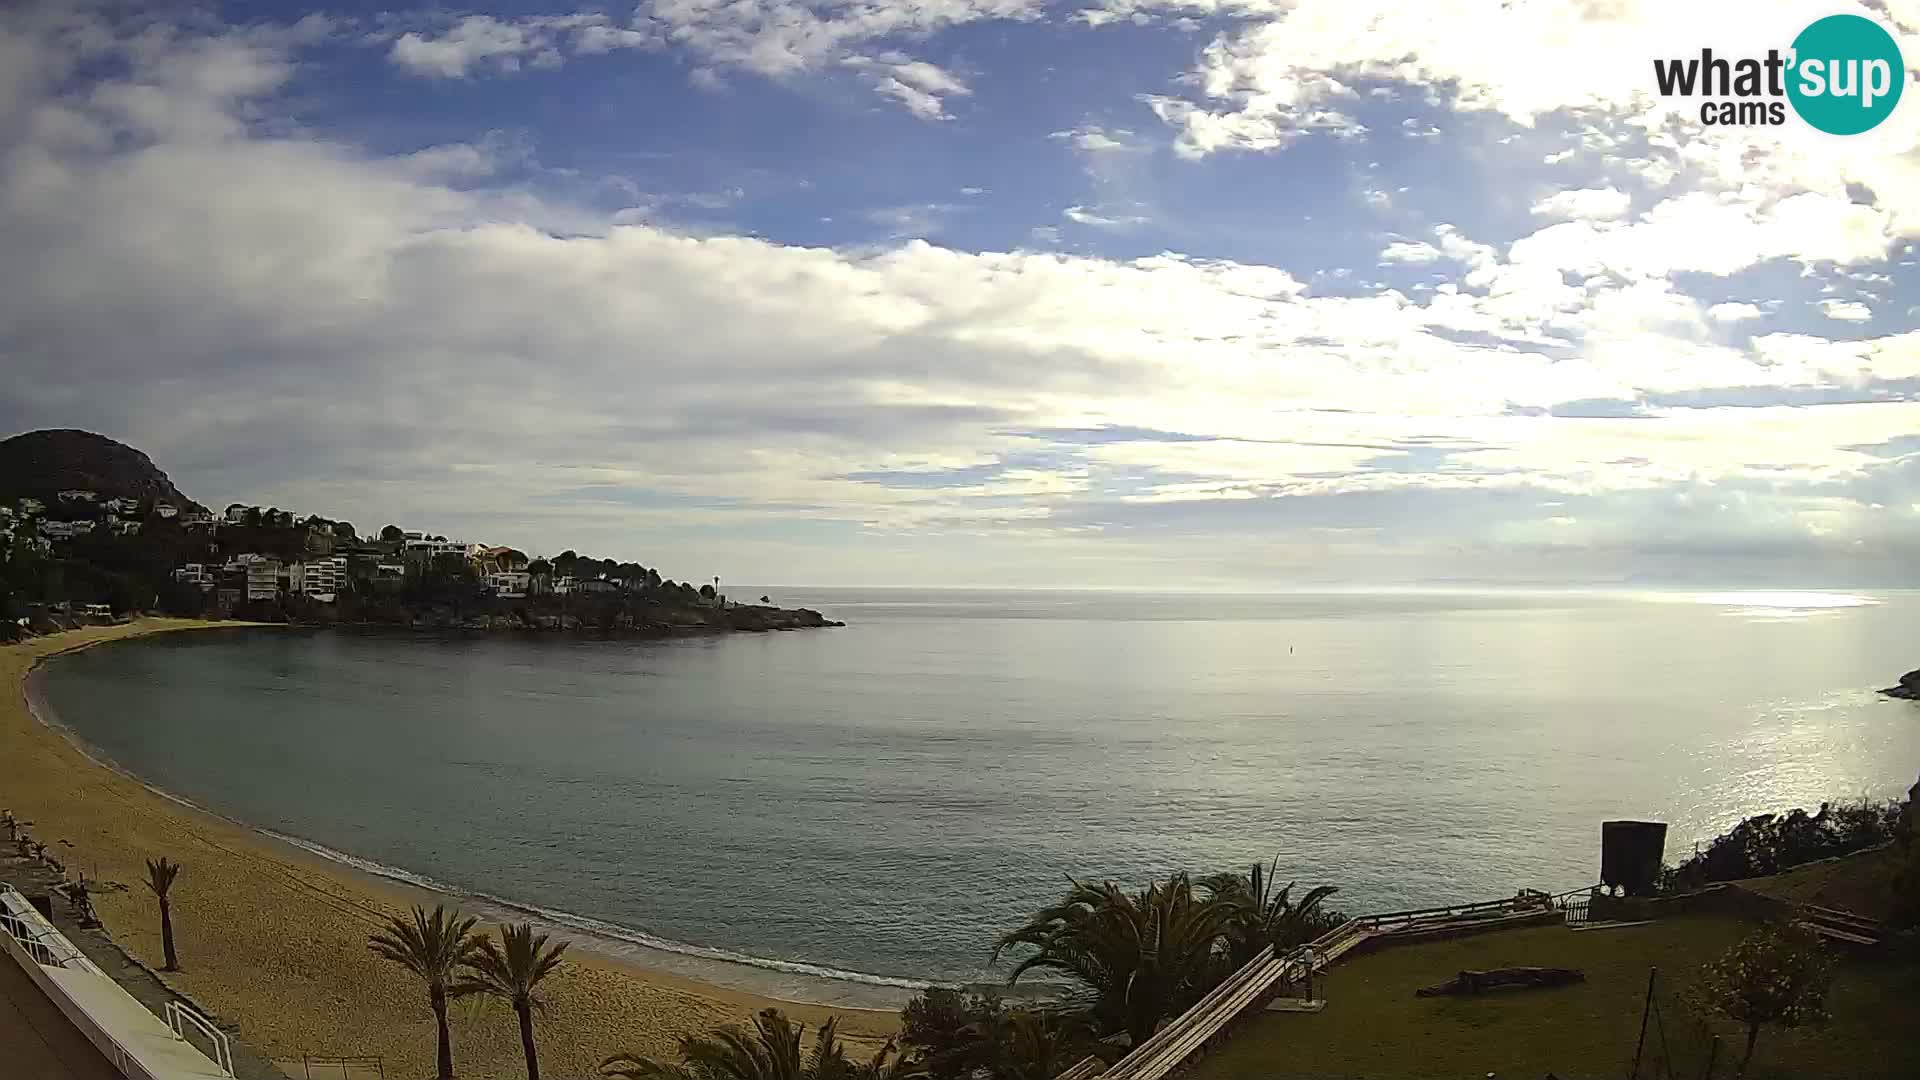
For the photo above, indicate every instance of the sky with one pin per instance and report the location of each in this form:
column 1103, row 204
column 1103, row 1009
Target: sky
column 1109, row 293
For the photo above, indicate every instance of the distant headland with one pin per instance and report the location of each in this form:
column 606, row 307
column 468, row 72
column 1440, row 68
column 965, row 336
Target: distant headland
column 91, row 530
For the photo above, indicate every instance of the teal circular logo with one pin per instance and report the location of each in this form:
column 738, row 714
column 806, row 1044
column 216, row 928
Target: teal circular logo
column 1847, row 74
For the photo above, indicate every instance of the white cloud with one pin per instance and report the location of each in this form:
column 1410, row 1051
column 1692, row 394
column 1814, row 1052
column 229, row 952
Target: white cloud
column 482, row 42
column 1094, row 139
column 1081, row 215
column 1734, row 312
column 1587, row 203
column 1846, row 310
column 922, row 87
column 1409, row 251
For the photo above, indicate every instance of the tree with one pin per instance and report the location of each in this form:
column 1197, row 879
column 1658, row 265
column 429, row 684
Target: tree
column 944, row 1029
column 772, row 1051
column 1033, row 1044
column 564, row 562
column 540, row 568
column 343, row 530
column 514, row 974
column 432, row 947
column 391, row 534
column 1139, row 957
column 1260, row 916
column 1778, row 975
column 160, row 876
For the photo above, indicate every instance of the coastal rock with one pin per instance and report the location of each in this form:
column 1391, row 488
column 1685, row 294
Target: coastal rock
column 1908, row 689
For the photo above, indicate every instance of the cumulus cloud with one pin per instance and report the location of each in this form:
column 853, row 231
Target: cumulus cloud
column 1734, row 312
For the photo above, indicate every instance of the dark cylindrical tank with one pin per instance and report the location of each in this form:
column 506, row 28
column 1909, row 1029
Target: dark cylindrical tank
column 1630, row 853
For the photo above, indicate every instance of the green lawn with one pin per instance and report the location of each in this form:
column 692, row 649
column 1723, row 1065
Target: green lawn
column 1373, row 1026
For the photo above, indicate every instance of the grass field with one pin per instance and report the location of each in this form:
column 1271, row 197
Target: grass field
column 1374, row 1027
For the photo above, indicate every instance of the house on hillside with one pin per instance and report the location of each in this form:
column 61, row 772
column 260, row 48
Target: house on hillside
column 236, row 513
column 31, row 507
column 78, row 495
column 595, row 586
column 199, row 575
column 168, row 510
column 122, row 505
column 509, row 584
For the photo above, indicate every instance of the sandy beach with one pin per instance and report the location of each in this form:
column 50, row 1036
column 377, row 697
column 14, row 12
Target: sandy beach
column 274, row 940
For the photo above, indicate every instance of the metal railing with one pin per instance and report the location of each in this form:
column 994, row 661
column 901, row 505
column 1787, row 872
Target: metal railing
column 183, row 1019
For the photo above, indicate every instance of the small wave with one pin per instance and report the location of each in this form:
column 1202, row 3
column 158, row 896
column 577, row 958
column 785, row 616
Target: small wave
column 378, row 869
column 605, row 930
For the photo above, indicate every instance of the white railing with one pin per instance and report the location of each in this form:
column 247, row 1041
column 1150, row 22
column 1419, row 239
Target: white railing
column 48, row 946
column 31, row 941
column 180, row 1018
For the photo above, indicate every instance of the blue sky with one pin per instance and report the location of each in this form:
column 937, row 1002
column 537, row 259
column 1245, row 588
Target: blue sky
column 1203, row 293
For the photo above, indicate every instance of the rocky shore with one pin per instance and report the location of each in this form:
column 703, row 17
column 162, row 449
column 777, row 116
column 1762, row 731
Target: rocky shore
column 1908, row 688
column 665, row 622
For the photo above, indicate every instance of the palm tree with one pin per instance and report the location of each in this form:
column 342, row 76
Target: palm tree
column 432, row 947
column 771, row 1052
column 513, row 974
column 1140, row 957
column 1261, row 916
column 160, row 875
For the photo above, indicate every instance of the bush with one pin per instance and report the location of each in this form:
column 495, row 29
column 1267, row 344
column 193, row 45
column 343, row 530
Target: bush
column 1769, row 843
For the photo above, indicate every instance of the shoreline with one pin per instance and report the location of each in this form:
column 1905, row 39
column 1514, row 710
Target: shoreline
column 288, row 966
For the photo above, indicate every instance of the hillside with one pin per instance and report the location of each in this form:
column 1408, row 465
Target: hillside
column 40, row 464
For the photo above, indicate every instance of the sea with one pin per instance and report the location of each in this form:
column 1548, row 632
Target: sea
column 845, row 815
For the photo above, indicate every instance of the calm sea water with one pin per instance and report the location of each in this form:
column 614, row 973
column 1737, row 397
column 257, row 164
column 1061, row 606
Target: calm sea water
column 881, row 800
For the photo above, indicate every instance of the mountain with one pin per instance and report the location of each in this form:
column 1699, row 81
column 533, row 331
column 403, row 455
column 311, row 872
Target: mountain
column 40, row 464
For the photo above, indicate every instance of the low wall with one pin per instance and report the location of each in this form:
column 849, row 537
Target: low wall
column 1723, row 898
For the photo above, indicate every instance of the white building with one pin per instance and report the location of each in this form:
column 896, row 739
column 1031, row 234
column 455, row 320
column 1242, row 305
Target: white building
column 78, row 495
column 427, row 550
column 123, row 505
column 64, row 530
column 123, row 526
column 320, row 579
column 509, row 584
column 31, row 506
column 199, row 574
column 562, row 586
column 263, row 578
column 166, row 510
